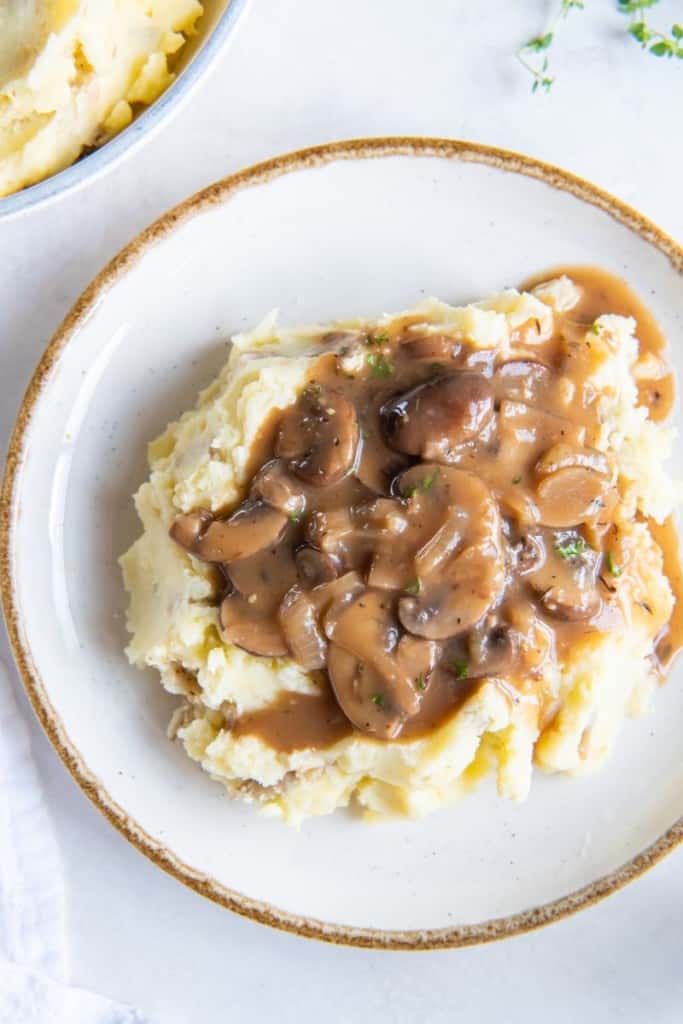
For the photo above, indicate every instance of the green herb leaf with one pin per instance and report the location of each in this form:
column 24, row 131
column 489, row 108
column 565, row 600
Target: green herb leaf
column 677, row 31
column 540, row 42
column 425, row 484
column 615, row 569
column 595, row 327
column 517, row 479
column 662, row 49
column 421, row 683
column 633, row 6
column 427, row 481
column 461, row 669
column 378, row 700
column 571, row 548
column 295, row 517
column 414, row 587
column 380, row 366
column 365, row 434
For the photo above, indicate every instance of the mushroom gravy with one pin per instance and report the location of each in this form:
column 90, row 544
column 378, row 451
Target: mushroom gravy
column 428, row 515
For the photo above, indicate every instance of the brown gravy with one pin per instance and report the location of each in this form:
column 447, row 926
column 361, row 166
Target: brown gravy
column 297, row 721
column 428, row 516
column 604, row 292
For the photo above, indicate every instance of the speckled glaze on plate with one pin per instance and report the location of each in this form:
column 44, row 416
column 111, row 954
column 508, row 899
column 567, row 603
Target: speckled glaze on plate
column 354, row 227
column 213, row 31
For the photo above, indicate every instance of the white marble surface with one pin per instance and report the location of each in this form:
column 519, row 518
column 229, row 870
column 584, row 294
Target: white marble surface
column 300, row 72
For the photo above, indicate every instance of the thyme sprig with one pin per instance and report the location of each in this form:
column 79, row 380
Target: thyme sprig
column 534, row 58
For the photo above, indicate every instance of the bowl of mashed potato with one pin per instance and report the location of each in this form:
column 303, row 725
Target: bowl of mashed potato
column 82, row 83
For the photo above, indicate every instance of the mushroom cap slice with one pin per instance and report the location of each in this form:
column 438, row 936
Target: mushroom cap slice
column 366, row 627
column 571, row 496
column 567, row 581
column 273, row 485
column 245, row 627
column 493, row 649
column 432, row 418
column 186, row 529
column 318, row 436
column 359, row 691
column 298, row 617
column 460, row 563
column 251, row 528
column 314, row 567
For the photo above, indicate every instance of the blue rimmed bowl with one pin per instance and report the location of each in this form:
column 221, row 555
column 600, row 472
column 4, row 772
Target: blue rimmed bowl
column 214, row 29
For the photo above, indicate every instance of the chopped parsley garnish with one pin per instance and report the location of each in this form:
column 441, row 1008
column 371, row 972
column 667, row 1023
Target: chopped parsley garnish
column 379, row 365
column 595, row 327
column 461, row 669
column 378, row 700
column 517, row 479
column 425, row 484
column 365, row 434
column 382, row 336
column 421, row 683
column 615, row 569
column 295, row 517
column 571, row 548
column 414, row 587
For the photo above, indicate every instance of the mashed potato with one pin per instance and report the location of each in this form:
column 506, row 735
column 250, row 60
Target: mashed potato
column 72, row 73
column 202, row 461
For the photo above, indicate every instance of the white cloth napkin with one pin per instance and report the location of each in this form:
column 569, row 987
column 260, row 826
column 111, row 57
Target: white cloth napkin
column 33, row 962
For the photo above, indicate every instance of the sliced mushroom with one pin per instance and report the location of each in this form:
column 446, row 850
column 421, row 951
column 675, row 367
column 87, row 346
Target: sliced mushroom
column 438, row 347
column 318, row 436
column 528, row 554
column 460, row 564
column 314, row 567
column 245, row 627
column 251, row 528
column 567, row 581
column 572, row 603
column 273, row 485
column 493, row 649
column 265, row 577
column 567, row 456
column 433, row 418
column 523, row 379
column 570, row 496
column 187, row 529
column 330, row 531
column 299, row 622
column 360, row 693
column 367, row 628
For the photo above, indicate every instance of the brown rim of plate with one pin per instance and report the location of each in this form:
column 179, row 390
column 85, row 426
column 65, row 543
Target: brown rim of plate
column 370, row 938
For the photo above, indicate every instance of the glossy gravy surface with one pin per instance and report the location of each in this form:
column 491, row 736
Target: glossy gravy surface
column 428, row 516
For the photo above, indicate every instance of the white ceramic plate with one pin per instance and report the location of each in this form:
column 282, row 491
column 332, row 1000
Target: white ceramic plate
column 353, row 228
